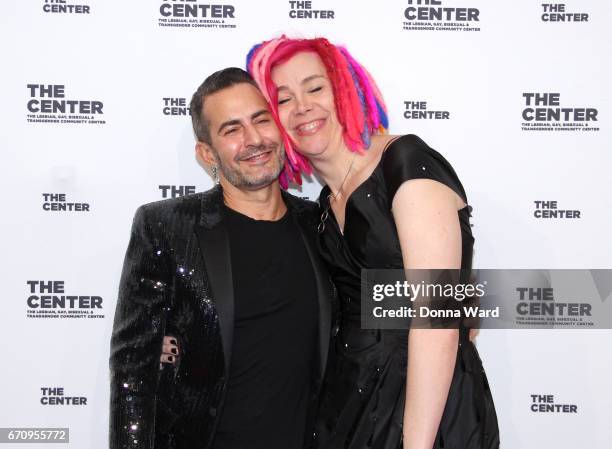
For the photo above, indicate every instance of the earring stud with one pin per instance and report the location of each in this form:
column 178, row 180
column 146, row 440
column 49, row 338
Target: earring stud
column 215, row 174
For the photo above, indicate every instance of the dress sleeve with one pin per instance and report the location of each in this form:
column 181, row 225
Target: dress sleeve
column 408, row 157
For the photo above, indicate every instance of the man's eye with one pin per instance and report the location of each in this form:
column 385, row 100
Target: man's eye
column 263, row 120
column 283, row 100
column 230, row 131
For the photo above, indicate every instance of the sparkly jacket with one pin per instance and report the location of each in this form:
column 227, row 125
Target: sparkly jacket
column 177, row 281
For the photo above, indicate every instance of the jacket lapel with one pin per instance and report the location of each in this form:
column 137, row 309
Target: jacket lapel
column 215, row 249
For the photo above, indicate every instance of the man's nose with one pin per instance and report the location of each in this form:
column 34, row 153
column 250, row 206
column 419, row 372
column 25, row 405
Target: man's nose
column 252, row 136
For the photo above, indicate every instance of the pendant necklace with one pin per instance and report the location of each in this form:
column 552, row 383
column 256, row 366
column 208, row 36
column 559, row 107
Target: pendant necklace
column 332, row 197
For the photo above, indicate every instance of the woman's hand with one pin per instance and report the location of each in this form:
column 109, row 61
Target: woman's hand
column 170, row 351
column 474, row 334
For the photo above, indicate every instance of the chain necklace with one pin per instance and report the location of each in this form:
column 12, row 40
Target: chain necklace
column 332, row 197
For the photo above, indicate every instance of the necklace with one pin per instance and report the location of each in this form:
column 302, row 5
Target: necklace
column 332, row 197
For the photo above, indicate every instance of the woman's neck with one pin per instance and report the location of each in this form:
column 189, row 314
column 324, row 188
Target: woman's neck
column 334, row 164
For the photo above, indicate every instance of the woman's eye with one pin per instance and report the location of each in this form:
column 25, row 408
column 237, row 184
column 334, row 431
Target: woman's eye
column 283, row 100
column 315, row 89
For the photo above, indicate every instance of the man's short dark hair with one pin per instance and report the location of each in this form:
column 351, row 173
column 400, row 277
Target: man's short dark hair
column 219, row 80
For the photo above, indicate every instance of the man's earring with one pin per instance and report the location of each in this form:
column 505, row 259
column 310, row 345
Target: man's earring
column 215, row 173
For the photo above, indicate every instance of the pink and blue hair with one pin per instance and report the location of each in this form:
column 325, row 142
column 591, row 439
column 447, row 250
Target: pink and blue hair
column 359, row 104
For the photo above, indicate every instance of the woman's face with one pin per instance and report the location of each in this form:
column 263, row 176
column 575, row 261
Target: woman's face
column 306, row 103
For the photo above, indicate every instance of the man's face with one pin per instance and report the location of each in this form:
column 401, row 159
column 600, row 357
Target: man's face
column 245, row 142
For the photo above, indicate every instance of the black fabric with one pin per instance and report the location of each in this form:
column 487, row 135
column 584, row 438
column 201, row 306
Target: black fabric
column 362, row 403
column 411, row 158
column 275, row 336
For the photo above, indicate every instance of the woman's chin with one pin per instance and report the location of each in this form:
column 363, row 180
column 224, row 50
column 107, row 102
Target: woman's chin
column 311, row 149
column 311, row 153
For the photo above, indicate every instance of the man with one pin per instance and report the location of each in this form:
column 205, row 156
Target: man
column 234, row 276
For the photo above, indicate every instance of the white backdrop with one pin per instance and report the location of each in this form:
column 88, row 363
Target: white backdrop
column 118, row 53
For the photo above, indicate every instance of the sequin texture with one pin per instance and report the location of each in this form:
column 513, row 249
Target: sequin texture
column 149, row 406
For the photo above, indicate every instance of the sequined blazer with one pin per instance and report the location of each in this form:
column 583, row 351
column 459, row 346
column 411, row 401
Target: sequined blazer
column 177, row 280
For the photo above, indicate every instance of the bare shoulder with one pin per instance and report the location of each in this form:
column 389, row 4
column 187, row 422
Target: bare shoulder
column 381, row 141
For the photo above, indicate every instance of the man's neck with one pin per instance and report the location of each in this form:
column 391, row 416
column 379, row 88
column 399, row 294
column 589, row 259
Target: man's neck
column 265, row 203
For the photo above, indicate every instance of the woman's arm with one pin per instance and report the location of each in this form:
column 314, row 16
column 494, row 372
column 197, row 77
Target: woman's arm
column 427, row 222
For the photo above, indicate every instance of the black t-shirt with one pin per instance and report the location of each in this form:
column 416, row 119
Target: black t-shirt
column 275, row 336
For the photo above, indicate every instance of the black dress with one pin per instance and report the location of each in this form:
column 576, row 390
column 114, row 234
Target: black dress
column 362, row 404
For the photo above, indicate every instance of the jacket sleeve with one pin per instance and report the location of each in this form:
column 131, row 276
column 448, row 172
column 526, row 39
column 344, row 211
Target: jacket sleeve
column 137, row 336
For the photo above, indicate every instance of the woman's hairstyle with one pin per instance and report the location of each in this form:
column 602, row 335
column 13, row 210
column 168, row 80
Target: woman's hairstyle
column 359, row 104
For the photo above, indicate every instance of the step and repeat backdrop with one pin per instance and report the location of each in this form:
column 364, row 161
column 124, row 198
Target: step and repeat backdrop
column 95, row 121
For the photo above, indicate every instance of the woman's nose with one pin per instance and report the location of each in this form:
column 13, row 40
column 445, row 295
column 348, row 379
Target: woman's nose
column 302, row 104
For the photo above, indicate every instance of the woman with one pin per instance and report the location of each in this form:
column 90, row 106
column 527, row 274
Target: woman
column 397, row 205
